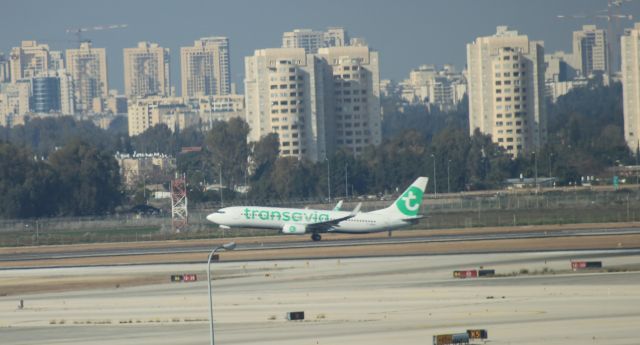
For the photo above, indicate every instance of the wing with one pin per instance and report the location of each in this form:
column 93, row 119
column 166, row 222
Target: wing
column 326, row 225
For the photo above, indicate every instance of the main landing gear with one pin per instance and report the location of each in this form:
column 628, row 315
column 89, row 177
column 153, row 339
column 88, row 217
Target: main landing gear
column 316, row 237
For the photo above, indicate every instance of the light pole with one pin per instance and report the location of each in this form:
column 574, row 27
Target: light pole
column 346, row 181
column 550, row 157
column 228, row 246
column 448, row 168
column 328, row 177
column 435, row 179
column 535, row 168
column 221, row 200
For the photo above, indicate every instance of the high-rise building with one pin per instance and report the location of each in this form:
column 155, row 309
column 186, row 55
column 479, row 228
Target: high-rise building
column 560, row 75
column 356, row 96
column 88, row 68
column 506, row 90
column 316, row 103
column 67, row 93
column 288, row 92
column 307, row 39
column 56, row 60
column 630, row 54
column 591, row 50
column 558, row 67
column 29, row 60
column 311, row 40
column 205, row 67
column 5, row 69
column 146, row 70
column 45, row 94
column 14, row 102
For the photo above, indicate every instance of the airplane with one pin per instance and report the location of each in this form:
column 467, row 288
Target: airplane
column 402, row 213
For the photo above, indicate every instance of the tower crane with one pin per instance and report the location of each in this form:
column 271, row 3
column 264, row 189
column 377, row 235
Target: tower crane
column 78, row 31
column 611, row 14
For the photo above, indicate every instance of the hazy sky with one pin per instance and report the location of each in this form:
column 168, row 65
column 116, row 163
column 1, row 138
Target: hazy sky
column 407, row 33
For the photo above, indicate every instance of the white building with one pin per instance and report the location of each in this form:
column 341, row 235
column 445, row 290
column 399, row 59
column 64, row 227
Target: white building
column 218, row 108
column 443, row 88
column 356, row 96
column 559, row 67
column 5, row 69
column 630, row 51
column 560, row 88
column 56, row 60
column 311, row 40
column 591, row 51
column 14, row 102
column 146, row 71
column 287, row 93
column 29, row 60
column 316, row 103
column 88, row 68
column 205, row 67
column 148, row 112
column 506, row 90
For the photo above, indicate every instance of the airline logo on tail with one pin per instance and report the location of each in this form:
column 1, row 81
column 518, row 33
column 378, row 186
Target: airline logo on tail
column 409, row 202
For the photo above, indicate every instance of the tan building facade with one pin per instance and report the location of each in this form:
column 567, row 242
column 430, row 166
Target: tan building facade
column 506, row 90
column 146, row 113
column 591, row 50
column 287, row 93
column 218, row 108
column 311, row 40
column 205, row 67
column 146, row 71
column 29, row 60
column 630, row 54
column 356, row 96
column 88, row 68
column 316, row 103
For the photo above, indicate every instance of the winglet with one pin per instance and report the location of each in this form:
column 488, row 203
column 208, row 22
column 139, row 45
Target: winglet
column 357, row 209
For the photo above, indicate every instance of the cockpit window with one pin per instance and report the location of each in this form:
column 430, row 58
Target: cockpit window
column 218, row 211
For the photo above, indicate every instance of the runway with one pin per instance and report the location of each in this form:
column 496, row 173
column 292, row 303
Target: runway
column 390, row 300
column 301, row 242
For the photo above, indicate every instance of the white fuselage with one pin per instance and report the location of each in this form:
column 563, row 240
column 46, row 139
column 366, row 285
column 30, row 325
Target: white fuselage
column 277, row 218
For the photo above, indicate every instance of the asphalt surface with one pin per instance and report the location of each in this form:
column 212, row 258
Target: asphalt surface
column 361, row 301
column 306, row 243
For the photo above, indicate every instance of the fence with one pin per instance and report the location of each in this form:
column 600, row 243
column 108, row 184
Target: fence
column 446, row 211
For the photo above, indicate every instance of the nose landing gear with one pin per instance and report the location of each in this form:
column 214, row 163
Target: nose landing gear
column 316, row 237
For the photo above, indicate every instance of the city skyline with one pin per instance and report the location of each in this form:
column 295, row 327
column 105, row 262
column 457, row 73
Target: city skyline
column 391, row 29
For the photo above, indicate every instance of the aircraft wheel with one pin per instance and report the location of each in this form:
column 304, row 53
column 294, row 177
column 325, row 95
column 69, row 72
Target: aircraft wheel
column 316, row 237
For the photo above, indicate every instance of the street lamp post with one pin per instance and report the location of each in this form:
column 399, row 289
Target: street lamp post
column 535, row 168
column 435, row 180
column 328, row 178
column 346, row 181
column 448, row 168
column 221, row 200
column 228, row 246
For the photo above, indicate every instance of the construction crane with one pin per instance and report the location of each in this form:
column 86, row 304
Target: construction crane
column 610, row 14
column 78, row 31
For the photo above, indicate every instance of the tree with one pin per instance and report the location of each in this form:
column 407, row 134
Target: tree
column 28, row 187
column 226, row 144
column 89, row 179
column 157, row 139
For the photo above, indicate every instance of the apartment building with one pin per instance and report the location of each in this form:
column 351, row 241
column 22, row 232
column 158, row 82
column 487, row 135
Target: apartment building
column 506, row 90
